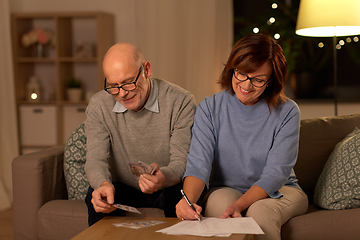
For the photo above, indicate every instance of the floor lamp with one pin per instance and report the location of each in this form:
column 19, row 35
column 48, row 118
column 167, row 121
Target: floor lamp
column 329, row 18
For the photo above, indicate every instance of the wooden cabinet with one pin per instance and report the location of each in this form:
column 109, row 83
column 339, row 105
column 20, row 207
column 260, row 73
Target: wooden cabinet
column 79, row 43
column 38, row 125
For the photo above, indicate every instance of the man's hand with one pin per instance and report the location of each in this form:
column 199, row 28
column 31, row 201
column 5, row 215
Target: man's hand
column 103, row 198
column 232, row 211
column 151, row 183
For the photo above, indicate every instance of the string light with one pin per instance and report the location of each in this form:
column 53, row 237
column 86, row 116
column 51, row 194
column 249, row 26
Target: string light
column 271, row 21
column 321, row 44
column 342, row 42
column 274, row 6
column 356, row 39
column 277, row 36
column 348, row 39
column 256, row 30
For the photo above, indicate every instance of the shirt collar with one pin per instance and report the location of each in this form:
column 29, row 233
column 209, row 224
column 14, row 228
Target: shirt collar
column 152, row 104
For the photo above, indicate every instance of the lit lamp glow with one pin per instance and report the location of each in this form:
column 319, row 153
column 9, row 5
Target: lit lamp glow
column 33, row 88
column 329, row 18
column 34, row 96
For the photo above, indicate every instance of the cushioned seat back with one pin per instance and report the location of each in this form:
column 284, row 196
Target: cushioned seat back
column 318, row 138
column 74, row 162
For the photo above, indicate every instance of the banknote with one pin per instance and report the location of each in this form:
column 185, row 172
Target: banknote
column 140, row 168
column 123, row 207
column 126, row 208
column 137, row 225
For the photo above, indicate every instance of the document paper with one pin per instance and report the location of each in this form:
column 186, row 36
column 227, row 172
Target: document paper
column 209, row 227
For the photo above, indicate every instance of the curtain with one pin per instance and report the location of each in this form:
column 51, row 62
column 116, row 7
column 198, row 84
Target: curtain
column 187, row 42
column 8, row 119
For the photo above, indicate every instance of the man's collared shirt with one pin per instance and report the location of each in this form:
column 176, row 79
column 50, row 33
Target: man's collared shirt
column 152, row 104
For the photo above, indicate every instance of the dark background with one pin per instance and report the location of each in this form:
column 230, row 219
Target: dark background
column 310, row 67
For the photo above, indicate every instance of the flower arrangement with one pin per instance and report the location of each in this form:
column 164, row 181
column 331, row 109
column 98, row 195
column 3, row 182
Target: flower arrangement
column 37, row 36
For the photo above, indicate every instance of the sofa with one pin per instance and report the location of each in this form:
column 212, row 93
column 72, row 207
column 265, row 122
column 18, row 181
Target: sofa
column 42, row 209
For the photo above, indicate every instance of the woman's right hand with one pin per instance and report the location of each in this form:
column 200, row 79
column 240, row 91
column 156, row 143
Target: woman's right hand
column 185, row 212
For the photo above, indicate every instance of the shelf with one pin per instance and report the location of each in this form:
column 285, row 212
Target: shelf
column 35, row 60
column 68, row 103
column 75, row 59
column 81, row 41
column 36, row 147
column 37, row 102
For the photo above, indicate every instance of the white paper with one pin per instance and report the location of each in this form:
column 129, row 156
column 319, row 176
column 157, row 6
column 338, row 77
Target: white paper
column 209, row 227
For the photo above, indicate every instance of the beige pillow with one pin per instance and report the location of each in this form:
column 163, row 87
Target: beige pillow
column 338, row 186
column 74, row 162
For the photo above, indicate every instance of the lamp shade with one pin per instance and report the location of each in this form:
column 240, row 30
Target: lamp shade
column 328, row 18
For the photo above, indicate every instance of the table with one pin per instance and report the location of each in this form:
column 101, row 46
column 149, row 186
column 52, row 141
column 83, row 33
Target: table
column 104, row 229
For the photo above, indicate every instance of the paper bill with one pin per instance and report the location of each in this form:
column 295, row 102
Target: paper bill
column 140, row 168
column 124, row 207
column 137, row 225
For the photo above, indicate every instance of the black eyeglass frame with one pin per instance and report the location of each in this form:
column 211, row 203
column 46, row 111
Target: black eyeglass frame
column 250, row 79
column 107, row 89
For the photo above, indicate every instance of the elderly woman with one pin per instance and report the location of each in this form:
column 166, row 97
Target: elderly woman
column 245, row 143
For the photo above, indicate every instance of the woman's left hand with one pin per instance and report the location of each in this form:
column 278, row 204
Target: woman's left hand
column 232, row 211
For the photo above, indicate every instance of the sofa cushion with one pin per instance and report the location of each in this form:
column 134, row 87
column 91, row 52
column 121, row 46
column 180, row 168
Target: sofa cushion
column 74, row 161
column 318, row 137
column 62, row 219
column 338, row 186
column 323, row 225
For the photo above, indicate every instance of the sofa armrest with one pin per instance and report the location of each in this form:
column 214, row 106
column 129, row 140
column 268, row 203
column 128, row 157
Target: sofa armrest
column 37, row 178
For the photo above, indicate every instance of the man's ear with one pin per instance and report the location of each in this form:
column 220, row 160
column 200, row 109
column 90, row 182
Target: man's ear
column 147, row 69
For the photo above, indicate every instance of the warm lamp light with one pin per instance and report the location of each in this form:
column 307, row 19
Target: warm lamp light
column 34, row 96
column 33, row 88
column 329, row 18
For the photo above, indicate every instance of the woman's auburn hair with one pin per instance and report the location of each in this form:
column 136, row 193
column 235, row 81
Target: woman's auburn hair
column 249, row 54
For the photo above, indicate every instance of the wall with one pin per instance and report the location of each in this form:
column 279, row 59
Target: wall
column 129, row 28
column 125, row 22
column 326, row 109
column 186, row 41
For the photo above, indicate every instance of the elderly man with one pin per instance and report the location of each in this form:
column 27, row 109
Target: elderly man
column 137, row 118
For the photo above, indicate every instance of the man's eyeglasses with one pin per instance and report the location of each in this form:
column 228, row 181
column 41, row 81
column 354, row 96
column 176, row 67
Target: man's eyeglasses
column 242, row 77
column 126, row 87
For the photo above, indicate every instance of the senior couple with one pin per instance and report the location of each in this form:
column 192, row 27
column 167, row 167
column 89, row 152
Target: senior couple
column 233, row 155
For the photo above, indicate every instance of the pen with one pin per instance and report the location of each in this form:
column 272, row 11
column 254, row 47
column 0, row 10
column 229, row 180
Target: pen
column 188, row 201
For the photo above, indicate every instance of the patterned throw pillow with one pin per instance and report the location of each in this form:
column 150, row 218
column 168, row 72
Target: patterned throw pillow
column 74, row 162
column 338, row 186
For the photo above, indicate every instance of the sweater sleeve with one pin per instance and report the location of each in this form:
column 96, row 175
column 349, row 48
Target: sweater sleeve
column 98, row 145
column 282, row 155
column 201, row 154
column 180, row 138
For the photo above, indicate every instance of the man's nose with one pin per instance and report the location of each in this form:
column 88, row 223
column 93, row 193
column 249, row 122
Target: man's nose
column 122, row 92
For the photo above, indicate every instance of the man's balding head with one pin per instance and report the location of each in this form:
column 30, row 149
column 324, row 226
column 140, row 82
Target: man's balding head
column 122, row 55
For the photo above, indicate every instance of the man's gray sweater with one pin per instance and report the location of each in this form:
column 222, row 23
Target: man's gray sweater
column 115, row 139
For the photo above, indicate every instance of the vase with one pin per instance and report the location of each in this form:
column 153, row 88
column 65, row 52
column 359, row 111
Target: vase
column 39, row 50
column 74, row 94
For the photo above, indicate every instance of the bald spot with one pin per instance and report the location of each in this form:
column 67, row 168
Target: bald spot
column 122, row 56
